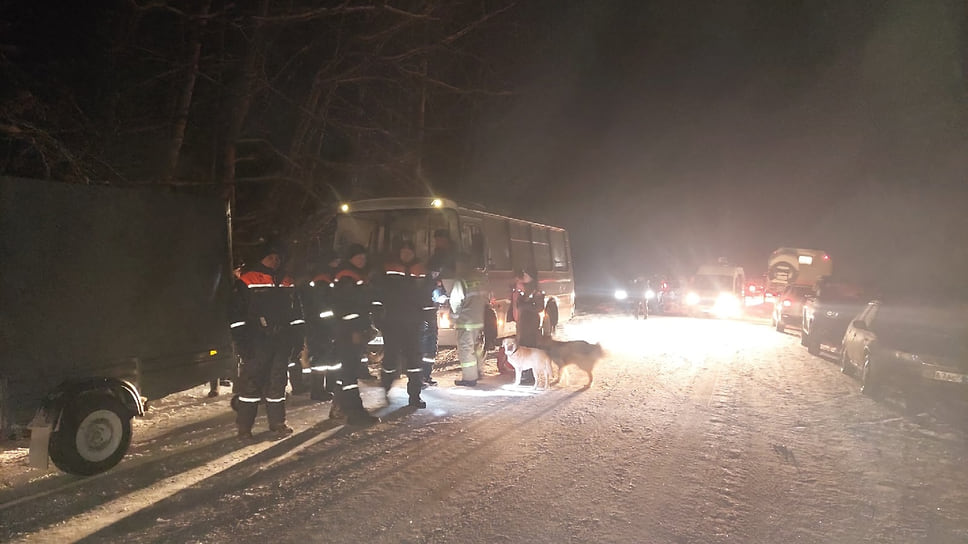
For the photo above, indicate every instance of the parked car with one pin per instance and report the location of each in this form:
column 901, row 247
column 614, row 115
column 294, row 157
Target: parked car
column 827, row 314
column 633, row 297
column 788, row 307
column 907, row 344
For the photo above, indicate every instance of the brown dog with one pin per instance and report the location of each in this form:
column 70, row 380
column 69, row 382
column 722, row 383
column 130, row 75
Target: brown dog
column 523, row 358
column 576, row 352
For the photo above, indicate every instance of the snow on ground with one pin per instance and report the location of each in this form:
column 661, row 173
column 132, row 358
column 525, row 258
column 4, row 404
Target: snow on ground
column 694, row 431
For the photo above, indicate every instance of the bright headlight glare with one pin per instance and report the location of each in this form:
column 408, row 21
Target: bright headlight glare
column 620, row 294
column 649, row 293
column 692, row 299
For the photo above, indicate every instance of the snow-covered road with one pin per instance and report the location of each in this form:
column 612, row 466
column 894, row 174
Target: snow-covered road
column 694, row 431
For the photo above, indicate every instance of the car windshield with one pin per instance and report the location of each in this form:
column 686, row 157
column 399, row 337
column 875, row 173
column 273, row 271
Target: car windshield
column 928, row 331
column 837, row 292
column 713, row 283
column 800, row 291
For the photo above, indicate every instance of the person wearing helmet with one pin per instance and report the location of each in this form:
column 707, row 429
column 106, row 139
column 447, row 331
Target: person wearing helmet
column 265, row 332
column 353, row 303
column 402, row 291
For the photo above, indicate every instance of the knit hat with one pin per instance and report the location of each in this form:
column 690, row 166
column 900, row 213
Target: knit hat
column 354, row 250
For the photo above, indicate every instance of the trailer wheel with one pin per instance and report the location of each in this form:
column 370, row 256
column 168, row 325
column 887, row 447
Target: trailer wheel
column 94, row 434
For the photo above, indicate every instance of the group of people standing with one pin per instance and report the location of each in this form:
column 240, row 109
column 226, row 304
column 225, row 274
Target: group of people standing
column 332, row 318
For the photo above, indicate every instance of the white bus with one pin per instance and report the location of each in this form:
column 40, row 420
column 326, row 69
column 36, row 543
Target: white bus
column 497, row 244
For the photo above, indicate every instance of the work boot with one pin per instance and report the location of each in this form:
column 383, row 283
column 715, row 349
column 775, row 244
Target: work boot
column 416, row 402
column 466, row 383
column 361, row 418
column 245, row 416
column 244, row 433
column 336, row 412
column 320, row 396
column 280, row 430
column 351, row 406
column 276, row 415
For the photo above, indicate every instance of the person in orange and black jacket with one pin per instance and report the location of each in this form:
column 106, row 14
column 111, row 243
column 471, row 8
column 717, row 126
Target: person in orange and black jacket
column 269, row 324
column 353, row 304
column 317, row 297
column 402, row 289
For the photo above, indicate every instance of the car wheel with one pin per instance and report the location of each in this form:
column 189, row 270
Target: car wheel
column 93, row 435
column 846, row 366
column 804, row 333
column 813, row 345
column 778, row 323
column 870, row 377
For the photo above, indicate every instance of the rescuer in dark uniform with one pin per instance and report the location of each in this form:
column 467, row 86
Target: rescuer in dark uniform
column 317, row 298
column 403, row 292
column 352, row 303
column 267, row 329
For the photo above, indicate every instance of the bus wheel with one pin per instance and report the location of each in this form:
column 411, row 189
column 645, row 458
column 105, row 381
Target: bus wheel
column 93, row 436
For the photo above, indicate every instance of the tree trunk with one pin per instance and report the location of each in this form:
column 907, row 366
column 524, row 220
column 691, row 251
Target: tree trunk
column 184, row 102
column 242, row 100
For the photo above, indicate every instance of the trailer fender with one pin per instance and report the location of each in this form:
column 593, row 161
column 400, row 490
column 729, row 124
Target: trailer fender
column 48, row 417
column 56, row 400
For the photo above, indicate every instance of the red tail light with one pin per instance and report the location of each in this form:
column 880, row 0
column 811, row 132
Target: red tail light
column 826, row 257
column 787, row 302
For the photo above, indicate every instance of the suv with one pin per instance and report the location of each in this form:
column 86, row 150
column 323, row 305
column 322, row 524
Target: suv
column 788, row 307
column 911, row 343
column 827, row 314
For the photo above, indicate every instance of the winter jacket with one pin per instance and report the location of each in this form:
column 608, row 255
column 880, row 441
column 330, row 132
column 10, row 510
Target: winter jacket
column 468, row 299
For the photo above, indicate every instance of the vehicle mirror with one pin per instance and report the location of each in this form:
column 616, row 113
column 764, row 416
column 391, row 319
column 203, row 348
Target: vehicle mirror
column 859, row 324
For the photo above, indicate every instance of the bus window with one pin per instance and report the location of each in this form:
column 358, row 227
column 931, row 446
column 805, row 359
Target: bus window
column 472, row 242
column 358, row 230
column 541, row 247
column 498, row 243
column 521, row 255
column 559, row 250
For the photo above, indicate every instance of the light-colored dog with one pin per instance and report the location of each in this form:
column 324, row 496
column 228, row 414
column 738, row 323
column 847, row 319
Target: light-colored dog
column 522, row 358
column 577, row 353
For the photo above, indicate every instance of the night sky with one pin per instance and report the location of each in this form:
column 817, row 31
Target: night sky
column 664, row 134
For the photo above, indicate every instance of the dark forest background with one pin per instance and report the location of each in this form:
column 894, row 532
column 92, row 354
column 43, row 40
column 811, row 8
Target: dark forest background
column 286, row 107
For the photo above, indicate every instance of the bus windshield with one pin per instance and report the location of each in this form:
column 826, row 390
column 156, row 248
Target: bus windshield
column 382, row 232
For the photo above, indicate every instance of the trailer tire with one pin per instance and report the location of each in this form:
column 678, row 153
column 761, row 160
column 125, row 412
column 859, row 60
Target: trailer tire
column 93, row 435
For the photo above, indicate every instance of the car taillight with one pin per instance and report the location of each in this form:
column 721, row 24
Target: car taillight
column 787, row 302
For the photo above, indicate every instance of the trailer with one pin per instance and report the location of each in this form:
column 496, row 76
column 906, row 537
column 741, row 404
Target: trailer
column 111, row 297
column 795, row 266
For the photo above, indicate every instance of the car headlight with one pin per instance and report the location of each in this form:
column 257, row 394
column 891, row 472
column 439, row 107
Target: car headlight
column 649, row 293
column 727, row 300
column 621, row 294
column 692, row 299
